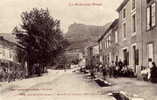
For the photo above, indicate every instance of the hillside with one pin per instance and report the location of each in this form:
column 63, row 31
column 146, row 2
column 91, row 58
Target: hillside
column 80, row 35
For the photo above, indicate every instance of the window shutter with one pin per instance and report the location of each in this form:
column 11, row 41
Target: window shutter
column 153, row 14
column 148, row 18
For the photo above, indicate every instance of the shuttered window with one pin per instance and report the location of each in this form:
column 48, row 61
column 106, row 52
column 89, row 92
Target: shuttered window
column 151, row 19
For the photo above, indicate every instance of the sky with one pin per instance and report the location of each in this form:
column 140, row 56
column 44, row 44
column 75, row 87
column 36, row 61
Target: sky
column 64, row 10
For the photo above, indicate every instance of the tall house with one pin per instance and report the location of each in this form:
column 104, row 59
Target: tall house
column 130, row 35
column 108, row 44
column 149, row 30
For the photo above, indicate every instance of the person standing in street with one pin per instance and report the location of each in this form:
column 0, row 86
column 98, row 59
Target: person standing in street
column 64, row 67
column 10, row 75
column 111, row 69
column 120, row 64
column 153, row 72
column 104, row 72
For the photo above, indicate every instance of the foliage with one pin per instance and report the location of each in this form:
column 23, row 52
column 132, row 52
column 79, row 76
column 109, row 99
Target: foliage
column 40, row 37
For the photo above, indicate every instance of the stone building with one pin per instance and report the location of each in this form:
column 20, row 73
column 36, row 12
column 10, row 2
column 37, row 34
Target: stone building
column 92, row 54
column 9, row 61
column 73, row 55
column 135, row 30
column 88, row 55
column 130, row 33
column 108, row 44
column 8, row 48
column 95, row 57
column 149, row 31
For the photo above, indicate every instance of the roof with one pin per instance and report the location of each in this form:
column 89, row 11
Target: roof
column 9, row 37
column 106, row 28
column 91, row 44
column 115, row 22
column 122, row 5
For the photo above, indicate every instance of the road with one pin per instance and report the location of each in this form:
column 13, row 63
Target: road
column 60, row 85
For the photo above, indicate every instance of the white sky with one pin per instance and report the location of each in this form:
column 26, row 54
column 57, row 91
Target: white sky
column 10, row 11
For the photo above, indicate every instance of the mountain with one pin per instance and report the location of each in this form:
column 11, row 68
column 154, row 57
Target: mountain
column 80, row 35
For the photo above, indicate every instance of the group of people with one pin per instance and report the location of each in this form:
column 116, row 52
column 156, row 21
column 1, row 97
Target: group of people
column 150, row 73
column 121, row 69
column 8, row 74
column 117, row 69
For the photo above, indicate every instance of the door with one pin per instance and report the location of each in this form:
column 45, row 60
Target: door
column 150, row 53
column 126, row 56
column 135, row 57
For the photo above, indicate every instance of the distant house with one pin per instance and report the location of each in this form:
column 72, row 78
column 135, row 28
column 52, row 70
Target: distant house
column 8, row 52
column 73, row 55
column 8, row 48
column 92, row 54
column 88, row 55
column 108, row 44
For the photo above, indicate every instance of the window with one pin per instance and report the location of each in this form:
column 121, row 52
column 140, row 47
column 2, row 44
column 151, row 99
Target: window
column 151, row 16
column 150, row 51
column 101, row 59
column 124, row 13
column 10, row 54
column 110, row 55
column 7, row 53
column 124, row 30
column 107, row 43
column 134, row 23
column 148, row 18
column 104, row 44
column 100, row 45
column 109, row 40
column 3, row 52
column 116, row 36
column 133, row 4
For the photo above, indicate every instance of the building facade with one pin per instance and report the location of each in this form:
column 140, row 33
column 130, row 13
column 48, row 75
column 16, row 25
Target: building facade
column 95, row 53
column 73, row 55
column 132, row 37
column 108, row 44
column 92, row 55
column 130, row 33
column 88, row 56
column 8, row 51
column 149, row 31
column 9, row 59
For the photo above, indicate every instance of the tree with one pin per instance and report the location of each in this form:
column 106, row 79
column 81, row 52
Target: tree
column 40, row 37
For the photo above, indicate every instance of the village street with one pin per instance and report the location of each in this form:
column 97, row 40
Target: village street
column 68, row 85
column 56, row 85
